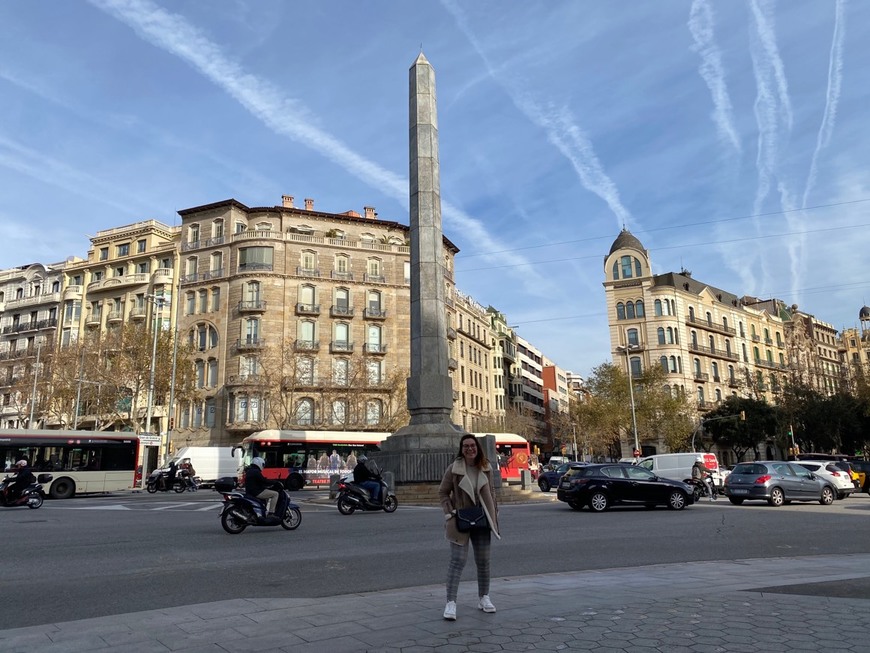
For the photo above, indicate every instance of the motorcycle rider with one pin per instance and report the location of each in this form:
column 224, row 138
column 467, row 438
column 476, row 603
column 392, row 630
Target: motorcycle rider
column 367, row 474
column 259, row 486
column 23, row 477
column 702, row 475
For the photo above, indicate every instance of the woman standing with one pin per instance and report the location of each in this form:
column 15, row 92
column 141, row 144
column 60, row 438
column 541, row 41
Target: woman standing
column 466, row 483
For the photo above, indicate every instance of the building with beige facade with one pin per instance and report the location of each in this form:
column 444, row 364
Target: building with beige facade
column 471, row 349
column 710, row 343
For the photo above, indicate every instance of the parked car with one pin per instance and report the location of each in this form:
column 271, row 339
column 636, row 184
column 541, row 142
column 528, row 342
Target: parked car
column 830, row 471
column 777, row 482
column 854, row 476
column 549, row 476
column 862, row 468
column 602, row 486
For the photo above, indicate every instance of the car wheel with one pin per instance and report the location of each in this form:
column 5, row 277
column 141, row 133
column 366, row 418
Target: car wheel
column 575, row 505
column 544, row 484
column 599, row 502
column 736, row 501
column 777, row 498
column 677, row 500
column 827, row 497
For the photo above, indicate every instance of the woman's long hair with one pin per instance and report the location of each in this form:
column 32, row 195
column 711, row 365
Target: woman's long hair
column 480, row 460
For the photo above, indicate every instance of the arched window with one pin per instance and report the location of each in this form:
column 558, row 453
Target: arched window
column 626, row 267
column 212, row 373
column 781, row 360
column 615, row 270
column 725, row 323
column 305, row 370
column 756, row 354
column 217, row 229
column 620, row 311
column 714, row 367
column 632, row 337
column 306, row 333
column 340, row 371
column 731, row 373
column 657, row 307
column 636, row 368
column 217, row 264
column 718, row 395
column 745, row 356
column 712, row 341
column 778, row 339
column 700, row 395
column 727, row 347
column 769, row 356
column 697, row 364
column 339, row 411
column 709, row 318
column 629, row 310
column 671, row 339
column 638, row 308
column 673, row 361
column 637, row 270
column 200, row 374
column 660, row 332
column 663, row 361
column 694, row 336
column 252, row 292
column 691, row 313
column 304, row 412
column 306, row 297
column 373, row 338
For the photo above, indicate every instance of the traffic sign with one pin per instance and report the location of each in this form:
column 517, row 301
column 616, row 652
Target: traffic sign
column 149, row 439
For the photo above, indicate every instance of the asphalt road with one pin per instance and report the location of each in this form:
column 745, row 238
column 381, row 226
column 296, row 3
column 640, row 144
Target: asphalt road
column 110, row 554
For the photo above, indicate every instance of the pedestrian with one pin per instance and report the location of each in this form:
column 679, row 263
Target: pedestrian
column 467, row 482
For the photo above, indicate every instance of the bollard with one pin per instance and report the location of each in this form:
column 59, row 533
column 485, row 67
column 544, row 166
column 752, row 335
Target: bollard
column 333, row 485
column 525, row 479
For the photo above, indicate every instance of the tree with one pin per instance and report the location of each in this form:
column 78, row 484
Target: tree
column 740, row 435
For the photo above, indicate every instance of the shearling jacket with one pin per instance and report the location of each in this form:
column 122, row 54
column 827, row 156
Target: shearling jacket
column 456, row 492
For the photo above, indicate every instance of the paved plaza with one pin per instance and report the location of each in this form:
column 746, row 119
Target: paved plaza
column 778, row 604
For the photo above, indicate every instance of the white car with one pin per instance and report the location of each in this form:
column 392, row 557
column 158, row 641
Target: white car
column 842, row 481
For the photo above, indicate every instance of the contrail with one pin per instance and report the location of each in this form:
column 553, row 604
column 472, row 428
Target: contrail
column 711, row 71
column 561, row 130
column 282, row 114
column 832, row 99
column 767, row 38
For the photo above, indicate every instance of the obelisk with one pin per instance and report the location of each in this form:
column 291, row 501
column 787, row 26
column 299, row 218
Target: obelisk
column 421, row 451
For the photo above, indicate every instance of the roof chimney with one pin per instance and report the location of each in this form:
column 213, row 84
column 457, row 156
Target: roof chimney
column 287, row 201
column 370, row 212
column 309, row 204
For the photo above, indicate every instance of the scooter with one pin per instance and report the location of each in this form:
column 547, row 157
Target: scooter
column 701, row 489
column 32, row 496
column 158, row 481
column 241, row 510
column 353, row 497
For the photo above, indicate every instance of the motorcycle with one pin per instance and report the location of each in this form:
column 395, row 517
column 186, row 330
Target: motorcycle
column 353, row 497
column 701, row 489
column 158, row 481
column 241, row 510
column 32, row 496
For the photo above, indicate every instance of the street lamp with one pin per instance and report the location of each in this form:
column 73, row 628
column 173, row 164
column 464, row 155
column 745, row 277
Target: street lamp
column 627, row 349
column 158, row 305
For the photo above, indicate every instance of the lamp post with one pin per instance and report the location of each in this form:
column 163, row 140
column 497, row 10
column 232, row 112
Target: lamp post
column 627, row 349
column 33, row 391
column 158, row 305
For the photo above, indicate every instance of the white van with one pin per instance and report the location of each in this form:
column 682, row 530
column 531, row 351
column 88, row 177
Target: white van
column 210, row 463
column 678, row 466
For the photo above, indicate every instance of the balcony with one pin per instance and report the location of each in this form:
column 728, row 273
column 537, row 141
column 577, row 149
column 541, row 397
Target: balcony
column 451, row 333
column 217, row 273
column 73, row 292
column 340, row 311
column 374, row 278
column 113, row 283
column 46, row 298
column 301, row 381
column 247, row 380
column 162, row 275
column 93, row 319
column 452, row 364
column 344, row 276
column 712, row 351
column 307, row 345
column 307, row 272
column 756, row 338
column 374, row 314
column 250, row 343
column 138, row 313
column 701, row 377
column 374, row 348
column 254, row 267
column 257, row 234
column 733, row 383
column 252, row 306
column 710, row 326
column 340, row 347
column 115, row 316
column 307, row 309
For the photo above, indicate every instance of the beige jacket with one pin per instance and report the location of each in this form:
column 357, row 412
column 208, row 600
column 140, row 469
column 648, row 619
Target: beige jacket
column 456, row 492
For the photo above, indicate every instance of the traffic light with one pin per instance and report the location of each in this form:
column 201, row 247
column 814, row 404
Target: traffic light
column 171, row 423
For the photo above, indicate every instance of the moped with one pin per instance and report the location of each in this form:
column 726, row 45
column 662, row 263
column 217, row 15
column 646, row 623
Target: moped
column 241, row 510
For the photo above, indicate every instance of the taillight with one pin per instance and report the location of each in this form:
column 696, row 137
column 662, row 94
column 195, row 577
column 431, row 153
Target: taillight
column 342, row 486
column 838, row 474
column 579, row 481
column 761, row 480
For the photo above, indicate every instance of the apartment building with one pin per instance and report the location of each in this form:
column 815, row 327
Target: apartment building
column 504, row 355
column 710, row 342
column 529, row 382
column 854, row 350
column 299, row 319
column 29, row 300
column 473, row 383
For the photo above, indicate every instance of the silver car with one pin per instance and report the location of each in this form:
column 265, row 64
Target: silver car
column 777, row 482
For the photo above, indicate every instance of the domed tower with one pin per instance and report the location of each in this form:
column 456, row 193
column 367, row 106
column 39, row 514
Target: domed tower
column 627, row 278
column 864, row 317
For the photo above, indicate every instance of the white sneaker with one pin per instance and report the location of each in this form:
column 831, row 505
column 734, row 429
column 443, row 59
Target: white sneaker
column 485, row 604
column 450, row 611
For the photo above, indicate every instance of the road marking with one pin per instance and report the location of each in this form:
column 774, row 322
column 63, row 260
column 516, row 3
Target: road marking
column 176, row 505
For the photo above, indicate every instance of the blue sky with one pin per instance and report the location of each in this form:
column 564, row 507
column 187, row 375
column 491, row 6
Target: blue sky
column 730, row 137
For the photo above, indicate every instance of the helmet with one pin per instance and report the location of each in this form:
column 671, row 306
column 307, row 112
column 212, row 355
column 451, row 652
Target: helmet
column 21, row 463
column 362, row 459
column 259, row 462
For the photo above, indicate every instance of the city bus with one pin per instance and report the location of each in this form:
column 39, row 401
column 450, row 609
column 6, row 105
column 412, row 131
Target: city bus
column 79, row 461
column 300, row 458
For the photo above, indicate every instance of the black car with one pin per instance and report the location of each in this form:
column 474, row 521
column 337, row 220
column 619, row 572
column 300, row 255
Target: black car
column 601, row 486
column 549, row 477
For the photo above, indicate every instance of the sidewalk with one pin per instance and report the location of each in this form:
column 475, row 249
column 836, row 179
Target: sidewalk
column 698, row 607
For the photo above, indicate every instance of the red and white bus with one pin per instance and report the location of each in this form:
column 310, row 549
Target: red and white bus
column 79, row 461
column 300, row 458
